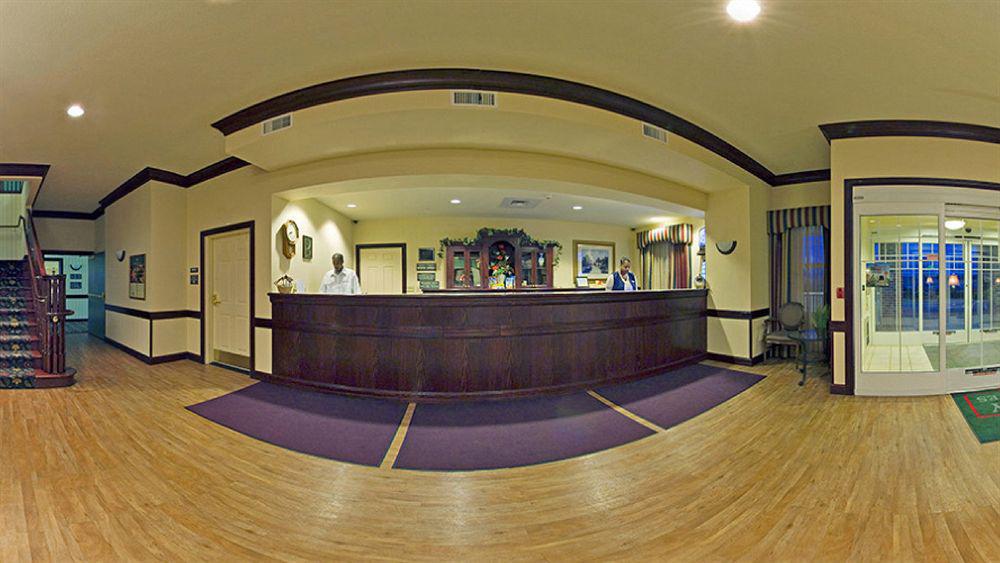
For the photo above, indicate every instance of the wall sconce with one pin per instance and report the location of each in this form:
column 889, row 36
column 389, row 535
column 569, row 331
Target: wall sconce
column 725, row 247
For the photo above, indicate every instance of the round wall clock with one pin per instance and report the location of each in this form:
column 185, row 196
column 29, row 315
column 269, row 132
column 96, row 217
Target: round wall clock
column 726, row 247
column 290, row 236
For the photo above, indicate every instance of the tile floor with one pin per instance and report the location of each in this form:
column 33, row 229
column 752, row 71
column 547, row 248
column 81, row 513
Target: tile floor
column 896, row 358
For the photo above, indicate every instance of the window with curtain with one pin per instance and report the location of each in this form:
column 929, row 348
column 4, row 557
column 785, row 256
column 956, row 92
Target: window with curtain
column 800, row 258
column 665, row 256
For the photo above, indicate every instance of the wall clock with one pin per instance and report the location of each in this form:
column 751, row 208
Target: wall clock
column 289, row 237
column 725, row 247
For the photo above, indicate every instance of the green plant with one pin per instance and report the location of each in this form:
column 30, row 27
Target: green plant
column 821, row 320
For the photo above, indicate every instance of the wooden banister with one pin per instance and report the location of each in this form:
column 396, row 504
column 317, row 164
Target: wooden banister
column 49, row 295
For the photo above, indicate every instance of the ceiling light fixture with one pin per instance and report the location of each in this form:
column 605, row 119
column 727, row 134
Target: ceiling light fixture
column 75, row 110
column 456, row 201
column 743, row 11
column 577, row 207
column 351, row 205
column 954, row 224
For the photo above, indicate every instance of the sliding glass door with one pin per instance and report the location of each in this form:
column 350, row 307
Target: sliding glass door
column 927, row 299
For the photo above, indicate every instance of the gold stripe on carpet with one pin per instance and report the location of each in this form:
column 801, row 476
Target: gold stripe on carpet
column 397, row 440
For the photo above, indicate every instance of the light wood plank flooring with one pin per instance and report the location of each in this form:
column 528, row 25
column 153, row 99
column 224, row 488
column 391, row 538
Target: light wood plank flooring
column 115, row 468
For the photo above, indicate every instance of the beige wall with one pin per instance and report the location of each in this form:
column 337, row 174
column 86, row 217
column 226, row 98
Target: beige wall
column 427, row 232
column 895, row 157
column 800, row 195
column 127, row 227
column 331, row 232
column 66, row 234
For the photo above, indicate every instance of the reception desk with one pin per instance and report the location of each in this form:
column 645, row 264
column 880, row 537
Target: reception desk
column 435, row 347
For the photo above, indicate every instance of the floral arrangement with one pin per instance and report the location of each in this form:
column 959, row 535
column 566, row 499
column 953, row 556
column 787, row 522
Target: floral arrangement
column 522, row 238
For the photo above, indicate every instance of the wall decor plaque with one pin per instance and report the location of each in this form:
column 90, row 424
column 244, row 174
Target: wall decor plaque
column 426, row 276
column 427, row 266
column 137, row 277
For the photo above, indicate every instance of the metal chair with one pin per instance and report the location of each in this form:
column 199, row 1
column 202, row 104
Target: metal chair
column 791, row 318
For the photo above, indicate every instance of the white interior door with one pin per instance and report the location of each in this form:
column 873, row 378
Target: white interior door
column 381, row 271
column 230, row 297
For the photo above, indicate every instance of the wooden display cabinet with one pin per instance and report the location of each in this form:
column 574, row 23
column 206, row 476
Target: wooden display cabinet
column 482, row 266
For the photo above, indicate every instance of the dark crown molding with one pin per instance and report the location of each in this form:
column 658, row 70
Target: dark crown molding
column 910, row 128
column 494, row 80
column 24, row 169
column 801, row 177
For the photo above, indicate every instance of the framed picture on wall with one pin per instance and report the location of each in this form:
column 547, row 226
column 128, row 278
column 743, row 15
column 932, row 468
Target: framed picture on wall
column 593, row 259
column 53, row 266
column 307, row 248
column 425, row 254
column 137, row 276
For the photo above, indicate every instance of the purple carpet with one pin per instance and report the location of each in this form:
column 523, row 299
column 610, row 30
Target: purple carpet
column 333, row 426
column 497, row 434
column 669, row 399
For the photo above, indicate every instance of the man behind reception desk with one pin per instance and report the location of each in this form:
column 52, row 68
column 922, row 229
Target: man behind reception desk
column 340, row 280
column 622, row 279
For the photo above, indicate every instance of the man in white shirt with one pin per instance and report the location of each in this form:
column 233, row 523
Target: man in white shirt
column 340, row 280
column 622, row 279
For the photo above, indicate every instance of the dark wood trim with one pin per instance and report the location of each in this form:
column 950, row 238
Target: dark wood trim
column 838, row 326
column 736, row 359
column 76, row 215
column 30, row 170
column 150, row 360
column 744, row 315
column 357, row 256
column 888, row 182
column 910, row 128
column 804, row 177
column 250, row 226
column 134, row 353
column 78, row 296
column 148, row 315
column 69, row 252
column 149, row 174
column 260, row 322
column 494, row 80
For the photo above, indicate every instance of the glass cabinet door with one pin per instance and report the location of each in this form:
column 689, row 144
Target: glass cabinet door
column 458, row 276
column 541, row 273
column 475, row 273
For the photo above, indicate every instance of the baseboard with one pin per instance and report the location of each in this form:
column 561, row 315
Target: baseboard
column 169, row 358
column 154, row 359
column 134, row 353
column 840, row 389
column 736, row 360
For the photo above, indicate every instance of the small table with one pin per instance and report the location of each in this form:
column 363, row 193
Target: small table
column 808, row 339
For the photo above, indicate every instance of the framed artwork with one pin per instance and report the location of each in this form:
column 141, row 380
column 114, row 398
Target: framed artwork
column 425, row 255
column 593, row 259
column 582, row 281
column 307, row 248
column 137, row 277
column 53, row 266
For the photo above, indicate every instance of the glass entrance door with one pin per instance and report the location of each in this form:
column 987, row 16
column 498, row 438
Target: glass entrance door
column 926, row 304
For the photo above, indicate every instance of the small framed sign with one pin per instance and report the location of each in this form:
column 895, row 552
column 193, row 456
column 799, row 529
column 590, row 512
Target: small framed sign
column 76, row 285
column 307, row 247
column 193, row 270
column 194, row 279
column 76, row 276
column 427, row 266
column 430, row 285
column 426, row 276
column 425, row 255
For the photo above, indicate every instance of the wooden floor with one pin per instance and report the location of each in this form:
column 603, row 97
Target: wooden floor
column 115, row 468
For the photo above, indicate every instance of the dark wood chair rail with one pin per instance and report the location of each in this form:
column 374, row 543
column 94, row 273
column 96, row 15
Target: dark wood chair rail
column 437, row 347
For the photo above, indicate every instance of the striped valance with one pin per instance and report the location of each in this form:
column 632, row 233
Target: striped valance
column 674, row 234
column 781, row 220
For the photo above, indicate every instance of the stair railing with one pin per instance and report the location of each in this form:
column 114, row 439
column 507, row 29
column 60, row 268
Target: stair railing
column 49, row 295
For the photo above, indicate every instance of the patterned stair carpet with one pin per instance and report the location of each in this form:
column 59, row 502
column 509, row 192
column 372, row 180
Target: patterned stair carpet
column 18, row 344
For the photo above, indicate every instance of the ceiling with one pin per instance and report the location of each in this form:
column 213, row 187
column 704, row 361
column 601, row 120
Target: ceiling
column 153, row 79
column 485, row 202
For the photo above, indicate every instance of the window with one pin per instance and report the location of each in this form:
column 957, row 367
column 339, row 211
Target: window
column 701, row 252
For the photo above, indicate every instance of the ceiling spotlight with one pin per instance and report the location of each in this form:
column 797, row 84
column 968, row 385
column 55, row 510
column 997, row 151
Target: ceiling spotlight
column 351, row 205
column 954, row 224
column 75, row 110
column 456, row 201
column 577, row 207
column 743, row 10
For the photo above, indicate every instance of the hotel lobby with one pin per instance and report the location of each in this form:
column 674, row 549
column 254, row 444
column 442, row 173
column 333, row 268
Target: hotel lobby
column 663, row 281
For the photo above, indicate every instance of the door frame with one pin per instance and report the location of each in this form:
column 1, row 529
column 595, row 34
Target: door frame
column 248, row 225
column 848, row 328
column 357, row 256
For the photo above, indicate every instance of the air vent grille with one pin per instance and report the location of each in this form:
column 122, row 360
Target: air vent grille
column 474, row 98
column 11, row 186
column 654, row 132
column 277, row 124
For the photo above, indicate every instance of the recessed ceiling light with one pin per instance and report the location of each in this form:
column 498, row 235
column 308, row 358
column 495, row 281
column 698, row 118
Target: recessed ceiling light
column 954, row 224
column 351, row 205
column 743, row 10
column 75, row 110
column 577, row 207
column 456, row 201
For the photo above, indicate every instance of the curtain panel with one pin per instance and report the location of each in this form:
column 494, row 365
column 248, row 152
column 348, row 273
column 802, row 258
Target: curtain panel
column 665, row 256
column 800, row 259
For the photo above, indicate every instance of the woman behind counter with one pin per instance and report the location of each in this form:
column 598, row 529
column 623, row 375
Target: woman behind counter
column 622, row 279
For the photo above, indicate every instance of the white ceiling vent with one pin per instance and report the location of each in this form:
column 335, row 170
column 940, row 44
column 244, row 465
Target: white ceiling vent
column 519, row 203
column 654, row 132
column 474, row 98
column 277, row 124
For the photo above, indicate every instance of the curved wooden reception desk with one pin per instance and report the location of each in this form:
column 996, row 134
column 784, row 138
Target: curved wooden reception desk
column 482, row 345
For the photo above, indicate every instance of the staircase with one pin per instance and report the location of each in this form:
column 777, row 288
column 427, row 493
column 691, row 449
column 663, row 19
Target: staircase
column 20, row 357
